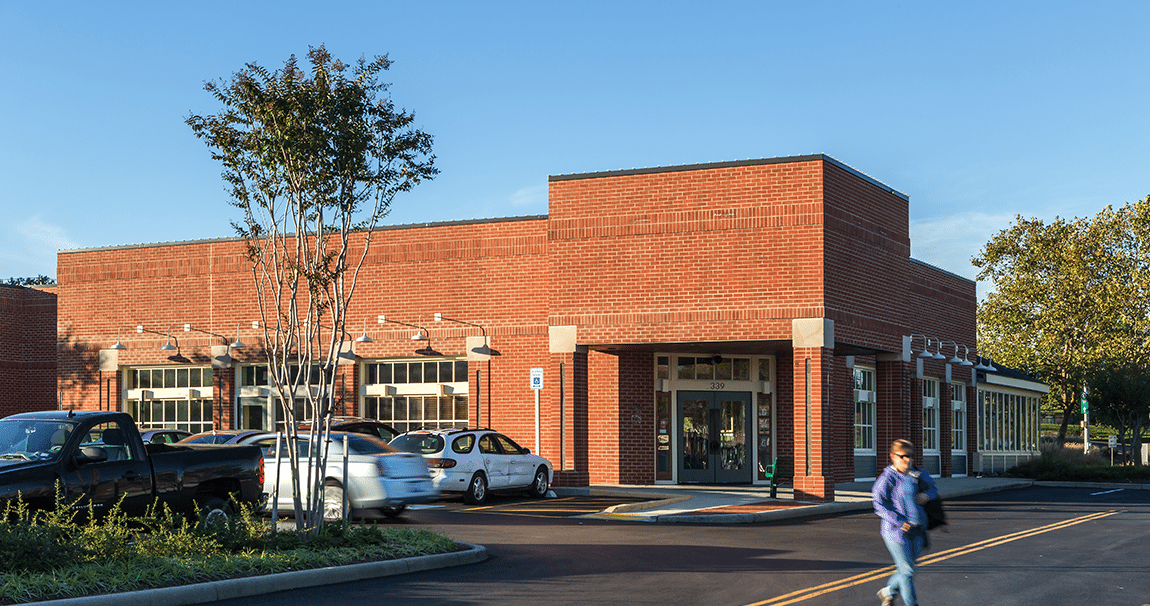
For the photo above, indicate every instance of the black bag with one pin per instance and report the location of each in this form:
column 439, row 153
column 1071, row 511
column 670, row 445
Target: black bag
column 935, row 516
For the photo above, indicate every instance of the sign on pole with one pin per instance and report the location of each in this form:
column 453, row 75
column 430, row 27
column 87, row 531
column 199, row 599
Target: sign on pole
column 536, row 378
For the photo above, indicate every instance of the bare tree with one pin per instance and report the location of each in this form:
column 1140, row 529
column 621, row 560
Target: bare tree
column 314, row 162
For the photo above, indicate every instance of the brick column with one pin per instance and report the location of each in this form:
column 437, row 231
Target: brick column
column 812, row 366
column 894, row 384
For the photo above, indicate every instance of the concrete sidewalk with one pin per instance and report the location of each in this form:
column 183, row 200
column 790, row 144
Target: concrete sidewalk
column 698, row 504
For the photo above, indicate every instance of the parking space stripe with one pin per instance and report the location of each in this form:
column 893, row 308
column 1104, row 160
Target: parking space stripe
column 874, row 575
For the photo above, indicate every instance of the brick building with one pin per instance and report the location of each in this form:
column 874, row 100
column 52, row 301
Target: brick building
column 27, row 349
column 692, row 324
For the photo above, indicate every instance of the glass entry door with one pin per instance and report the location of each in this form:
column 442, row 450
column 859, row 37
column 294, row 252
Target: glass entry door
column 712, row 431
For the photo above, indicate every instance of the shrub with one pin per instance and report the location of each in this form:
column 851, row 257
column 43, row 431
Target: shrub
column 1072, row 465
column 52, row 555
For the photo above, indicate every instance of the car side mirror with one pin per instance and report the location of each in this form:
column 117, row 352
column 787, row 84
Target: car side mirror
column 90, row 455
column 526, row 451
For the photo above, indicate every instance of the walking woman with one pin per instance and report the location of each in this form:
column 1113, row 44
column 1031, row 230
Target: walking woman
column 898, row 497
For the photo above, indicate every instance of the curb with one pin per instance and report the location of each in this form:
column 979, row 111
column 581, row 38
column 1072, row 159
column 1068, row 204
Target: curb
column 201, row 593
column 1100, row 485
column 618, row 512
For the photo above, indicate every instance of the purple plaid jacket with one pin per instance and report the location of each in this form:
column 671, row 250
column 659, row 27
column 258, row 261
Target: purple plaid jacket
column 890, row 505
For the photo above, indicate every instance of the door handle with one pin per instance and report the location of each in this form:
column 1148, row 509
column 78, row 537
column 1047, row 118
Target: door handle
column 130, row 475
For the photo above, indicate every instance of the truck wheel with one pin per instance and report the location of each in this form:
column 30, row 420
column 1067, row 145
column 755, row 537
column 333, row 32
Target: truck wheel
column 216, row 510
column 393, row 512
column 477, row 490
column 332, row 502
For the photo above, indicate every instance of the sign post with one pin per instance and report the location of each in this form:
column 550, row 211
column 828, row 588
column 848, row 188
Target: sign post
column 537, row 386
column 1085, row 423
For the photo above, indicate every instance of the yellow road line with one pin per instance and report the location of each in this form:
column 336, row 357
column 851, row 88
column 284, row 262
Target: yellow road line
column 482, row 507
column 866, row 577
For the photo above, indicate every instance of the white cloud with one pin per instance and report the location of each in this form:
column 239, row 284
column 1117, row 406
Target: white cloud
column 30, row 247
column 950, row 242
column 34, row 229
column 535, row 195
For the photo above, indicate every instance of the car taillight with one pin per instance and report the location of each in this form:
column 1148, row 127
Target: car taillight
column 261, row 471
column 381, row 467
column 441, row 463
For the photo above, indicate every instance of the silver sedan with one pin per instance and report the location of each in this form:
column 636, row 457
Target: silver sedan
column 381, row 480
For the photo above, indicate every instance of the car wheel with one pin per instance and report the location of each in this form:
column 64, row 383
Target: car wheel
column 477, row 490
column 540, row 485
column 332, row 502
column 393, row 512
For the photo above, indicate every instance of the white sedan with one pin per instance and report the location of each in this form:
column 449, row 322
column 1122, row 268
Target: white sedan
column 476, row 461
column 380, row 478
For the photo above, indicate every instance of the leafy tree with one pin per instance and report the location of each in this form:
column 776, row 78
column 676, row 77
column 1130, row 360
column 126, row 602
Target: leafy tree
column 40, row 280
column 310, row 160
column 1120, row 393
column 1069, row 296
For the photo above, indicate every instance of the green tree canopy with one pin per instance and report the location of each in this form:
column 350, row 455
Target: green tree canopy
column 1069, row 297
column 40, row 280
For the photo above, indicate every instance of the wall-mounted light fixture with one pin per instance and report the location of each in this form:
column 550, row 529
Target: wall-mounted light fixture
column 484, row 350
column 420, row 335
column 237, row 344
column 140, row 329
column 364, row 338
column 118, row 345
column 938, row 355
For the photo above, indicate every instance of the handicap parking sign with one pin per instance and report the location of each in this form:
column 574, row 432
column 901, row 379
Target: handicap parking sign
column 536, row 378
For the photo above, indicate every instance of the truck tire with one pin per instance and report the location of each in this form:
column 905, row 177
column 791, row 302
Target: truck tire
column 216, row 509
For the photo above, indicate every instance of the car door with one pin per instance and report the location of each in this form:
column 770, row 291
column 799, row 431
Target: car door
column 495, row 462
column 520, row 471
column 125, row 473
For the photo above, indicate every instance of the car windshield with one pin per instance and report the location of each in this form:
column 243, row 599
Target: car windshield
column 33, row 439
column 419, row 443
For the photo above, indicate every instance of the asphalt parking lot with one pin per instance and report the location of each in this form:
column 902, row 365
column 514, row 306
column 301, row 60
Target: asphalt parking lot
column 516, row 505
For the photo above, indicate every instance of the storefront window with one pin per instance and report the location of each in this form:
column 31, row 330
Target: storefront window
column 663, row 435
column 717, row 368
column 415, row 394
column 930, row 414
column 1007, row 422
column 763, row 420
column 158, row 398
column 864, row 410
column 958, row 416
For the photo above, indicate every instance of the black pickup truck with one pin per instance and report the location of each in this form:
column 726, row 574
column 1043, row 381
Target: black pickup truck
column 98, row 458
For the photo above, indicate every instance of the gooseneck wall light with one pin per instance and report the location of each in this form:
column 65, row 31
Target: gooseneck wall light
column 483, row 350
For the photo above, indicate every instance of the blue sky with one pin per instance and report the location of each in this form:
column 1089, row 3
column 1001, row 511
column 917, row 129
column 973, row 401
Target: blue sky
column 979, row 111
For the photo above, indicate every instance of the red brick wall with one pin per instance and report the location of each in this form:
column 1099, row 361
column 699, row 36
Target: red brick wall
column 27, row 349
column 492, row 273
column 638, row 261
column 690, row 255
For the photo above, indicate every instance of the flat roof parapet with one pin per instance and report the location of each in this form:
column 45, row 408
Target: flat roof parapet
column 729, row 164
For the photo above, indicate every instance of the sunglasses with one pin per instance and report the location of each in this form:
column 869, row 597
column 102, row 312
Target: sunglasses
column 903, row 456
